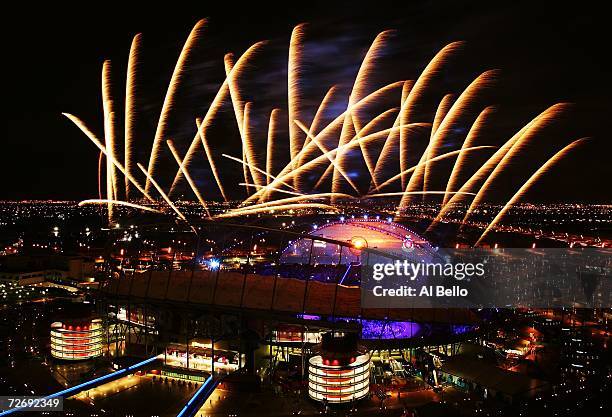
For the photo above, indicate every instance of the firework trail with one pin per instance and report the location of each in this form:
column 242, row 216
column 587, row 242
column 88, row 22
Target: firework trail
column 161, row 192
column 109, row 135
column 435, row 140
column 175, row 81
column 328, row 146
column 464, row 101
column 130, row 108
column 210, row 159
column 392, row 138
column 100, row 162
column 471, row 137
column 541, row 122
column 351, row 123
column 249, row 146
column 318, row 160
column 525, row 187
column 284, row 201
column 210, row 114
column 296, row 51
column 485, row 169
column 420, row 86
column 314, row 127
column 325, row 152
column 401, row 193
column 272, row 128
column 261, row 186
column 417, row 177
column 192, row 184
column 326, row 130
column 301, row 206
column 422, row 163
column 240, row 109
column 267, row 187
column 102, row 149
column 119, row 203
column 366, row 155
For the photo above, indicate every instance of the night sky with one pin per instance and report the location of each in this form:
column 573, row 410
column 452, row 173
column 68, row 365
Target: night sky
column 53, row 57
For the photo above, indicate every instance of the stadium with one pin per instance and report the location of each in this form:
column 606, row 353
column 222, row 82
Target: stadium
column 270, row 305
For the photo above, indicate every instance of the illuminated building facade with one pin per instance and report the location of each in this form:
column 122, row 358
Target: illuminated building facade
column 77, row 340
column 340, row 373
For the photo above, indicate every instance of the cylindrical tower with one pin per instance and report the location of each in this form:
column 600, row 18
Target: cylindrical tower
column 77, row 339
column 341, row 371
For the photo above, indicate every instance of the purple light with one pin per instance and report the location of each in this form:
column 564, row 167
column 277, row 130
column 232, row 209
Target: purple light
column 308, row 317
column 378, row 329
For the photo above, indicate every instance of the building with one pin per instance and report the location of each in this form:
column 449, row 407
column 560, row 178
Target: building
column 77, row 339
column 340, row 373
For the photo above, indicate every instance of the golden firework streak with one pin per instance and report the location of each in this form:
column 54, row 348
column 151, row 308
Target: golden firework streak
column 464, row 100
column 540, row 122
column 100, row 160
column 250, row 147
column 240, row 110
column 417, row 91
column 102, row 149
column 287, row 200
column 210, row 113
column 175, row 81
column 296, row 49
column 491, row 163
column 325, row 152
column 240, row 161
column 109, row 135
column 130, row 108
column 272, row 128
column 525, row 187
column 471, row 137
column 192, row 184
column 278, row 208
column 119, row 203
column 436, row 142
column 211, row 161
column 422, row 163
column 392, row 137
column 314, row 126
column 364, row 130
column 330, row 126
column 161, row 192
column 351, row 121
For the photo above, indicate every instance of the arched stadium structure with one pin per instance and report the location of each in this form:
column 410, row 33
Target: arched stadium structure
column 383, row 237
column 311, row 284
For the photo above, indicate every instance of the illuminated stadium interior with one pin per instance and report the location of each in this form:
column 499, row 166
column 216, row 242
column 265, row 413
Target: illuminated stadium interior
column 382, row 235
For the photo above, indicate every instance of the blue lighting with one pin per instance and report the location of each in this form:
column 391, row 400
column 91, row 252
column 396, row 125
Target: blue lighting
column 214, row 264
column 346, row 273
column 341, row 218
column 186, row 409
column 87, row 384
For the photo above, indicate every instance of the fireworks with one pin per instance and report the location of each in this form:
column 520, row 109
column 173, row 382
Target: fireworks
column 192, row 40
column 384, row 140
